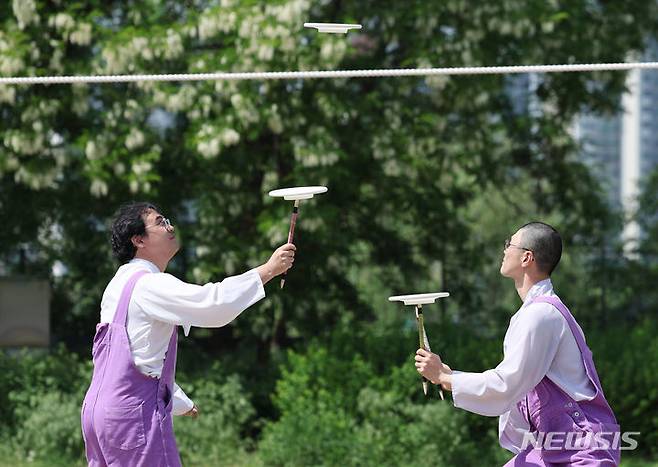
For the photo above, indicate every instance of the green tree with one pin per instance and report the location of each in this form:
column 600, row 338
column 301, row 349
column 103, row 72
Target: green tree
column 426, row 175
column 407, row 154
column 412, row 163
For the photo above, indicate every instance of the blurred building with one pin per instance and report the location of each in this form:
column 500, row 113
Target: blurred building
column 619, row 148
column 600, row 139
column 623, row 148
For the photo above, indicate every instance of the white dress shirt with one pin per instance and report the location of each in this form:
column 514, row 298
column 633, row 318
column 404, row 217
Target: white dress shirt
column 538, row 343
column 160, row 301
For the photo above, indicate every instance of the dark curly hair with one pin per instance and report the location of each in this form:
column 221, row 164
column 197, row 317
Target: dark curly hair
column 128, row 222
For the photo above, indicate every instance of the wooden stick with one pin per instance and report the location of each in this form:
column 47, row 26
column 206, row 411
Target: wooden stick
column 424, row 343
column 291, row 234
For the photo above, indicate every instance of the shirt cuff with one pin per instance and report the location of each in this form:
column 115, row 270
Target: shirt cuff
column 455, row 383
column 181, row 404
column 261, row 288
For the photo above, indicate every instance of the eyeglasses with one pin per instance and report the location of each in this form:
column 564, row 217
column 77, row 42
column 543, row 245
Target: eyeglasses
column 162, row 222
column 508, row 243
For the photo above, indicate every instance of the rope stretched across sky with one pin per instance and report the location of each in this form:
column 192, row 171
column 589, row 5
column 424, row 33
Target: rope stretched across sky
column 283, row 75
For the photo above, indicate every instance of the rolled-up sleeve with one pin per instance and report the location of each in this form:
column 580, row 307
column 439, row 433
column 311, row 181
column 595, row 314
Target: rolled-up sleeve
column 531, row 343
column 173, row 301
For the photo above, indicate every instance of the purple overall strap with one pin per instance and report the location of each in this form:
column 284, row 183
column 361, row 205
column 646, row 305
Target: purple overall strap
column 169, row 365
column 580, row 339
column 122, row 308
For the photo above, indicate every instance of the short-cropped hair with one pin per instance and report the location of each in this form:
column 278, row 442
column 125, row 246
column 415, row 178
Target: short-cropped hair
column 545, row 243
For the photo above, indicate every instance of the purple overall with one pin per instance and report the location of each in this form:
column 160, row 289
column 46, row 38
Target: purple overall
column 126, row 415
column 584, row 433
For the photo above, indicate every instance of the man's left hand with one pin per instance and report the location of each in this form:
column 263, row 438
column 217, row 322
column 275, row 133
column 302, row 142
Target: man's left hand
column 193, row 412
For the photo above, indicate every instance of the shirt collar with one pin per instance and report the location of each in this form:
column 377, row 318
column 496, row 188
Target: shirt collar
column 143, row 262
column 544, row 287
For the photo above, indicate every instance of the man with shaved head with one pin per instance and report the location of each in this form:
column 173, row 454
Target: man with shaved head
column 546, row 390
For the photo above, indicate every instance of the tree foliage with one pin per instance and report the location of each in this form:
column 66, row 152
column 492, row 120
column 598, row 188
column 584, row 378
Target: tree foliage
column 404, row 158
column 426, row 176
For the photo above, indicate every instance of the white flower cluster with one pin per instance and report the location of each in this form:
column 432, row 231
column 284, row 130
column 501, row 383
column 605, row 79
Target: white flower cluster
column 211, row 141
column 181, row 101
column 216, row 21
column 122, row 58
column 392, row 114
column 140, row 46
column 135, row 186
column 229, row 137
column 140, row 168
column 135, row 139
column 233, row 182
column 98, row 188
column 262, row 31
column 317, row 149
column 95, row 150
column 274, row 121
column 208, row 148
column 82, row 35
column 140, row 171
column 66, row 25
column 9, row 63
column 201, row 275
column 202, row 250
column 7, row 94
column 55, row 62
column 132, row 110
column 35, row 180
column 116, row 62
column 113, row 116
column 291, row 12
column 119, row 169
column 25, row 12
column 328, row 107
column 245, row 109
column 517, row 28
column 229, row 260
column 24, row 143
column 270, row 181
column 62, row 22
column 382, row 147
column 34, row 141
column 173, row 45
column 276, row 233
column 333, row 50
column 9, row 163
column 202, row 108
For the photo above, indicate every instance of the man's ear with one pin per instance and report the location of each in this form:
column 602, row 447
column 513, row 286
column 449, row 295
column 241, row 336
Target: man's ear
column 138, row 241
column 528, row 257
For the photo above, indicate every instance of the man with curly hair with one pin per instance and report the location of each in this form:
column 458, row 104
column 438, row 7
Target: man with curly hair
column 127, row 411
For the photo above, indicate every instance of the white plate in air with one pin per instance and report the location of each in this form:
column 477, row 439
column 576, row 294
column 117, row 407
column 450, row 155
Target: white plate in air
column 334, row 28
column 298, row 192
column 419, row 298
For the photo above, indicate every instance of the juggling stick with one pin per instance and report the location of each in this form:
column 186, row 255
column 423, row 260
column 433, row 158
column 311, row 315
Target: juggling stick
column 418, row 300
column 296, row 194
